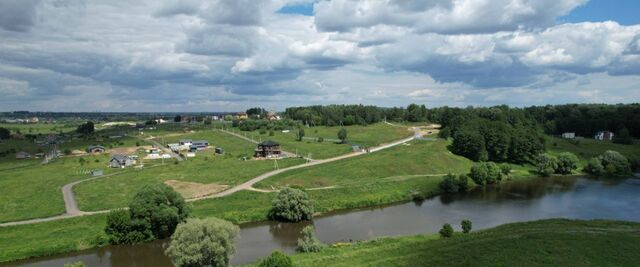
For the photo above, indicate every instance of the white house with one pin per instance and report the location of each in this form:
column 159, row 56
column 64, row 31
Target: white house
column 569, row 135
column 603, row 135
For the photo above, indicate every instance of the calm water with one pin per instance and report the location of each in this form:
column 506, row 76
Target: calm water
column 576, row 198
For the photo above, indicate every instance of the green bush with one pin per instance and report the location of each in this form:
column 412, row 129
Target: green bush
column 566, row 163
column 446, row 230
column 505, row 169
column 485, row 173
column 291, row 205
column 203, row 242
column 308, row 242
column 75, row 264
column 160, row 207
column 449, row 184
column 342, row 135
column 122, row 229
column 594, row 167
column 615, row 163
column 463, row 182
column 466, row 226
column 545, row 165
column 320, row 139
column 276, row 259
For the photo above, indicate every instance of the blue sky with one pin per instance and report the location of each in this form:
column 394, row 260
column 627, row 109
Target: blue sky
column 228, row 55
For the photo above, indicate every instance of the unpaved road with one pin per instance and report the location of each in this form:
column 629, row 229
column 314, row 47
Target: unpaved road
column 72, row 209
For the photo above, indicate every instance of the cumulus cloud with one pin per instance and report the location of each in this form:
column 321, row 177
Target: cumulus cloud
column 18, row 15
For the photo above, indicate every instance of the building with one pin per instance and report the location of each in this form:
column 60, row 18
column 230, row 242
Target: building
column 604, row 136
column 96, row 149
column 241, row 116
column 96, row 172
column 199, row 145
column 121, row 161
column 219, row 150
column 268, row 149
column 23, row 155
column 569, row 135
column 185, row 142
column 272, row 116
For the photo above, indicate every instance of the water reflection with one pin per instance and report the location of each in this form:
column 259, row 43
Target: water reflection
column 567, row 197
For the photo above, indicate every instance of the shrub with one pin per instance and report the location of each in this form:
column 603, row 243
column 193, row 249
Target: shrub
column 263, row 131
column 203, row 242
column 463, row 182
column 446, row 231
column 308, row 242
column 505, row 169
column 342, row 135
column 291, row 205
column 545, row 165
column 160, row 207
column 466, row 226
column 594, row 166
column 300, row 134
column 615, row 163
column 276, row 259
column 566, row 163
column 449, row 184
column 271, row 133
column 623, row 137
column 485, row 173
column 121, row 229
column 320, row 139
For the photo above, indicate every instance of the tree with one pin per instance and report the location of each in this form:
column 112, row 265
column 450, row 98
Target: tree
column 623, row 137
column 4, row 133
column 177, row 118
column 342, row 135
column 161, row 207
column 86, row 128
column 463, row 182
column 469, row 144
column 505, row 169
column 276, row 259
column 566, row 163
column 291, row 205
column 485, row 173
column 615, row 163
column 122, row 229
column 203, row 242
column 449, row 184
column 446, row 230
column 300, row 134
column 445, row 133
column 545, row 165
column 308, row 242
column 466, row 226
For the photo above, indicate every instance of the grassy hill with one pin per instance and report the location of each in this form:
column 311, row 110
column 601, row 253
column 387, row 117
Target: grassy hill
column 556, row 242
column 588, row 148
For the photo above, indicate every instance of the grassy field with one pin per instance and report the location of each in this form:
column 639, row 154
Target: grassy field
column 207, row 167
column 426, row 158
column 541, row 243
column 40, row 128
column 588, row 148
column 31, row 190
column 365, row 136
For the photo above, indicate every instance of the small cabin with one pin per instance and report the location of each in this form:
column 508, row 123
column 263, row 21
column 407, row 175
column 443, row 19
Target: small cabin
column 96, row 149
column 121, row 161
column 268, row 149
column 604, row 136
column 96, row 172
column 569, row 135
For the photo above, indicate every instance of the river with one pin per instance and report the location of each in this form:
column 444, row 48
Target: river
column 562, row 197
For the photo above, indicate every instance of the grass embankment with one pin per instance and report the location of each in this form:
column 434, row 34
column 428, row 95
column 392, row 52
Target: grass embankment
column 555, row 242
column 365, row 136
column 586, row 149
column 415, row 160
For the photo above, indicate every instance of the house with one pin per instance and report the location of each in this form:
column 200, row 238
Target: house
column 272, row 116
column 23, row 155
column 96, row 172
column 268, row 149
column 96, row 149
column 604, row 136
column 569, row 135
column 241, row 116
column 185, row 142
column 199, row 145
column 39, row 155
column 153, row 150
column 121, row 161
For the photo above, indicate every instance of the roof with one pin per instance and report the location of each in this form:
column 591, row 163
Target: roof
column 201, row 142
column 185, row 140
column 95, row 146
column 269, row 143
column 119, row 157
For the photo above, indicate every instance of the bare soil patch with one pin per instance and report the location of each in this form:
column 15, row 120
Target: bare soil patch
column 192, row 190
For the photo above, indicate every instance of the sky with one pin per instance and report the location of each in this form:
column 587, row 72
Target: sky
column 229, row 55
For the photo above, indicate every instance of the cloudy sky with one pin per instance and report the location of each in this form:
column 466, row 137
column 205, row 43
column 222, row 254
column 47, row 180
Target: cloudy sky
column 227, row 55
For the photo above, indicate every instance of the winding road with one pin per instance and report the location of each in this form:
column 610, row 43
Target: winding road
column 72, row 209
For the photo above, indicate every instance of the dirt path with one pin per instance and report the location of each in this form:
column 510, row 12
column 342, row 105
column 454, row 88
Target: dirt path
column 72, row 209
column 165, row 149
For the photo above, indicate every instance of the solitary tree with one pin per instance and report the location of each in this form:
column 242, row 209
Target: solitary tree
column 449, row 184
column 161, row 207
column 4, row 133
column 466, row 226
column 446, row 231
column 300, row 134
column 121, row 229
column 308, row 242
column 276, row 259
column 203, row 242
column 566, row 163
column 342, row 135
column 291, row 205
column 545, row 165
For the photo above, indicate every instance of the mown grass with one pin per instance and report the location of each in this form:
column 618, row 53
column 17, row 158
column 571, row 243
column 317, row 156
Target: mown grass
column 232, row 146
column 586, row 149
column 398, row 163
column 365, row 136
column 31, row 190
column 556, row 242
